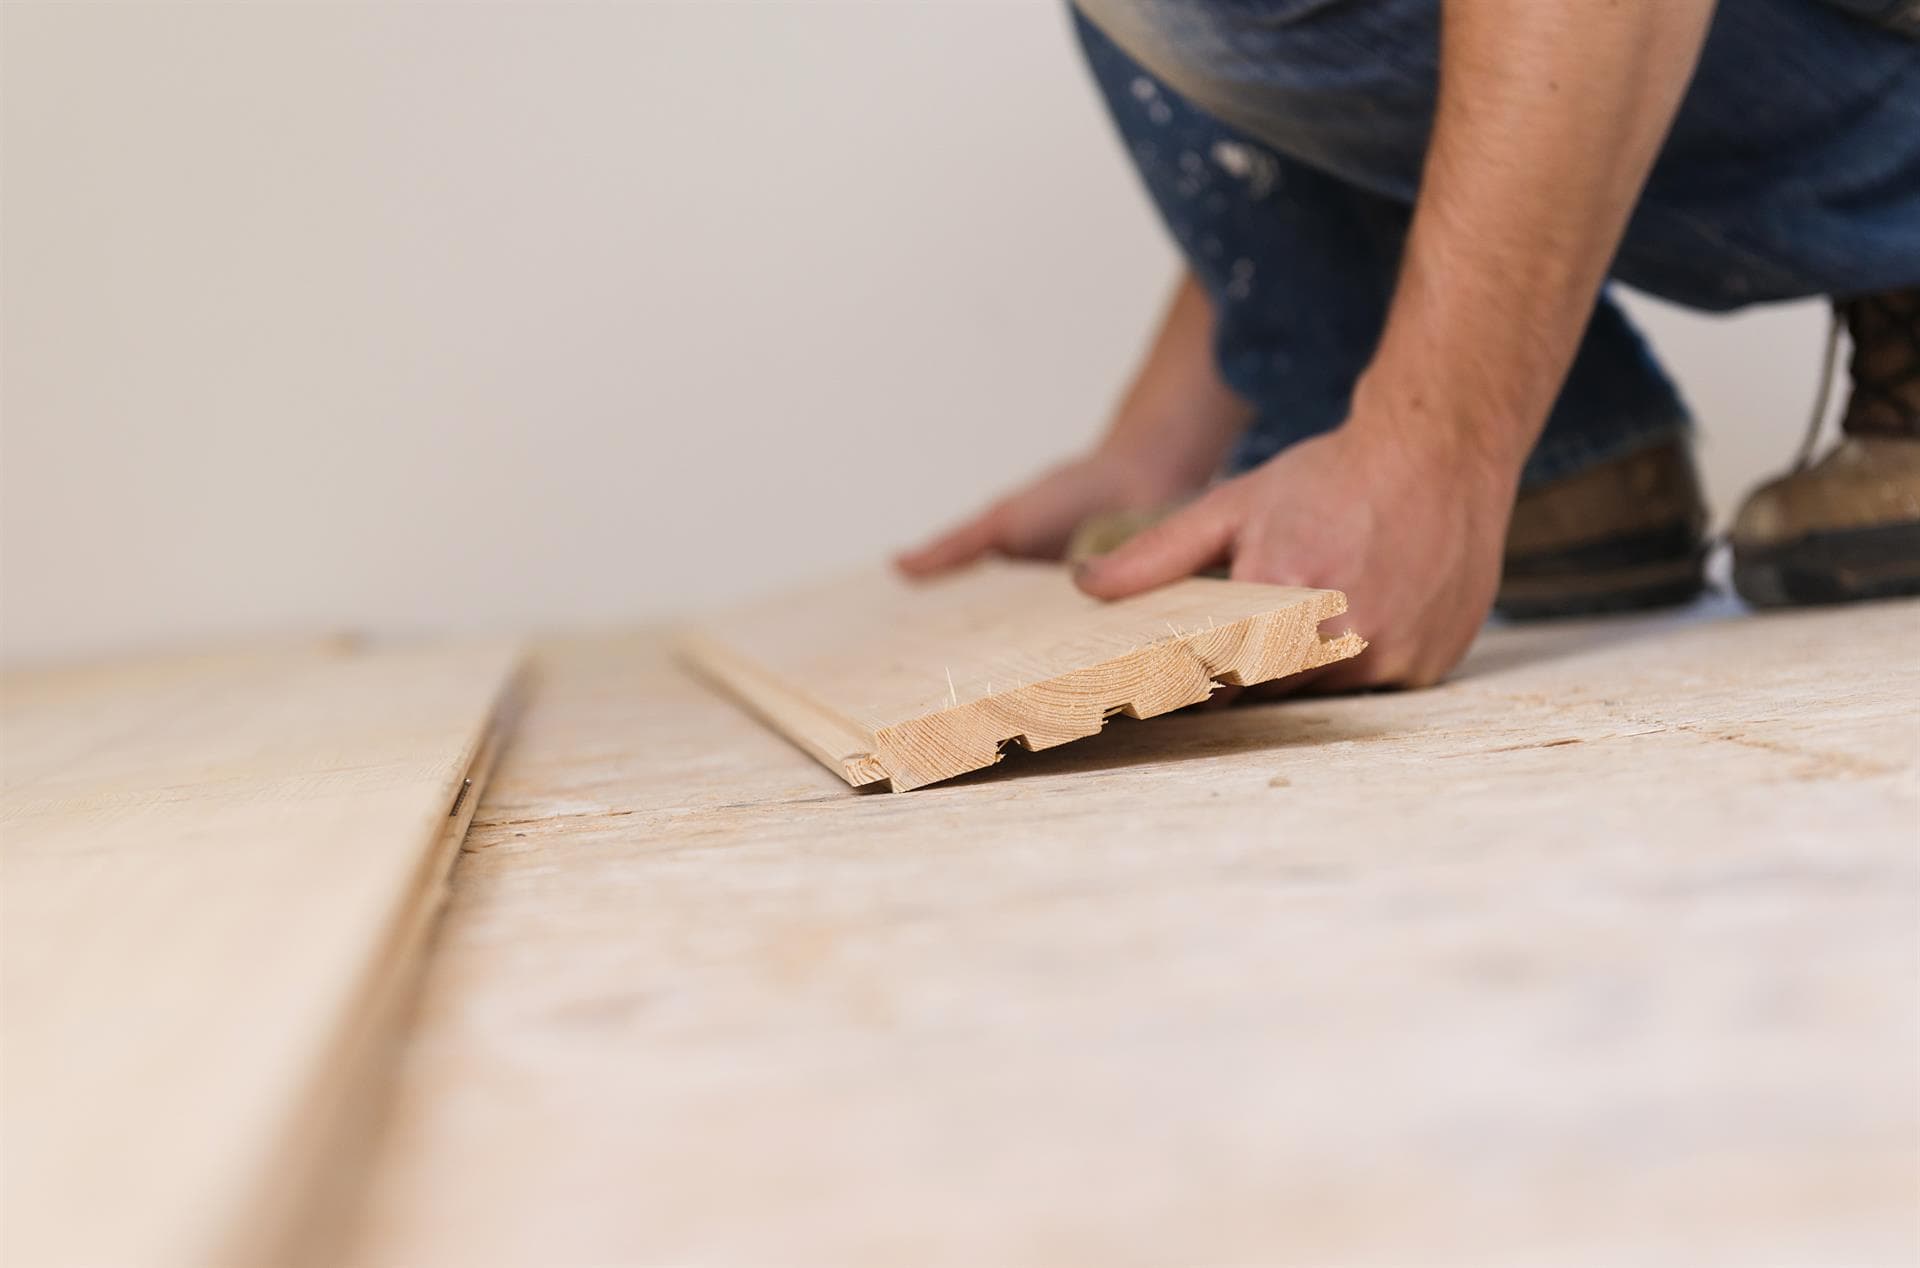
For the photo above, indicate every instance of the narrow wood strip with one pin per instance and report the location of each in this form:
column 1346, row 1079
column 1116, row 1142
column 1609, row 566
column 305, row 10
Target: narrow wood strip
column 296, row 1211
column 831, row 740
column 215, row 866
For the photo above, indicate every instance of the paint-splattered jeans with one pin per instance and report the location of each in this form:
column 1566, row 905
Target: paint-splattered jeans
column 1282, row 142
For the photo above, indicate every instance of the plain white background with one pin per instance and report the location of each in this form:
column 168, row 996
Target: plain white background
column 423, row 317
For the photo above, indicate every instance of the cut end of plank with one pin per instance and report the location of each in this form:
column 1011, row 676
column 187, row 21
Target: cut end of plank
column 1158, row 678
column 903, row 685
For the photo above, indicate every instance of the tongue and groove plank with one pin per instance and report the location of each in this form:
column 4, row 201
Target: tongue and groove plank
column 885, row 680
column 219, row 869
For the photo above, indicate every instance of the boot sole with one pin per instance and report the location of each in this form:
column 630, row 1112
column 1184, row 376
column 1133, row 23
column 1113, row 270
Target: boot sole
column 1661, row 568
column 1844, row 566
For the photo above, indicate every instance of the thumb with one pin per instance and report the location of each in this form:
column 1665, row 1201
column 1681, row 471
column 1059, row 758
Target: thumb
column 960, row 545
column 1176, row 547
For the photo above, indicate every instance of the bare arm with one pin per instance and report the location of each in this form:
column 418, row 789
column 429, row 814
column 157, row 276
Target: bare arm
column 1549, row 118
column 1167, row 438
column 1177, row 414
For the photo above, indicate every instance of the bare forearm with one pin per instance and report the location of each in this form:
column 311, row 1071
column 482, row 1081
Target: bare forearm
column 1165, row 442
column 1550, row 115
column 1177, row 413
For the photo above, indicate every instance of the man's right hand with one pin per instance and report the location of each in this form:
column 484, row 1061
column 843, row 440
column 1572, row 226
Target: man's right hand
column 1036, row 521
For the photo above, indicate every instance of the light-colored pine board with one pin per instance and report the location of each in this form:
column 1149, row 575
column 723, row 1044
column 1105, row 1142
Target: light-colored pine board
column 886, row 680
column 218, row 870
column 1601, row 954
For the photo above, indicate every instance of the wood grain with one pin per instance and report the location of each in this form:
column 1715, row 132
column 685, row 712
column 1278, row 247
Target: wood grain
column 1601, row 954
column 218, row 870
column 885, row 680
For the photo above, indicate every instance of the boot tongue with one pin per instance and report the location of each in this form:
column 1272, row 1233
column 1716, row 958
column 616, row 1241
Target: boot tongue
column 1885, row 367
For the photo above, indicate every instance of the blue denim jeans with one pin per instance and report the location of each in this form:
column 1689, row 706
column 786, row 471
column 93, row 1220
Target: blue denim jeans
column 1282, row 142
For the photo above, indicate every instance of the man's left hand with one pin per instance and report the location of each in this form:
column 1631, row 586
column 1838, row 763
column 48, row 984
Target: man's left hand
column 1400, row 514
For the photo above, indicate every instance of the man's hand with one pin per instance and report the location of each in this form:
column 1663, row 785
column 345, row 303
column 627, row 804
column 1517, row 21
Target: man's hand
column 1035, row 521
column 1389, row 508
column 1549, row 118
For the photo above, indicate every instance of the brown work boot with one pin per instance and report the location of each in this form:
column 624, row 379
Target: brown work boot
column 1619, row 536
column 1848, row 527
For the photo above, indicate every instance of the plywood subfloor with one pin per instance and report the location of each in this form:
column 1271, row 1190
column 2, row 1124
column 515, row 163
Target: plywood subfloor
column 1604, row 953
column 907, row 683
column 217, row 868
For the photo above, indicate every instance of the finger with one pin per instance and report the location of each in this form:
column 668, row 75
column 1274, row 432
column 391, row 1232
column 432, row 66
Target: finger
column 1176, row 547
column 1348, row 676
column 957, row 546
column 1330, row 680
column 1252, row 565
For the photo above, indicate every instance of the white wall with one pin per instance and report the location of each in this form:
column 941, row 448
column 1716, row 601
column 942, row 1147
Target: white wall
column 463, row 316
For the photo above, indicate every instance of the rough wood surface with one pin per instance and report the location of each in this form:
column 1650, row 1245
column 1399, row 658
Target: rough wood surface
column 1601, row 954
column 910, row 684
column 218, row 872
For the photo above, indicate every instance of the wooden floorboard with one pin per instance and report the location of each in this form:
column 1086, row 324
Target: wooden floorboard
column 218, row 871
column 1602, row 953
column 905, row 684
